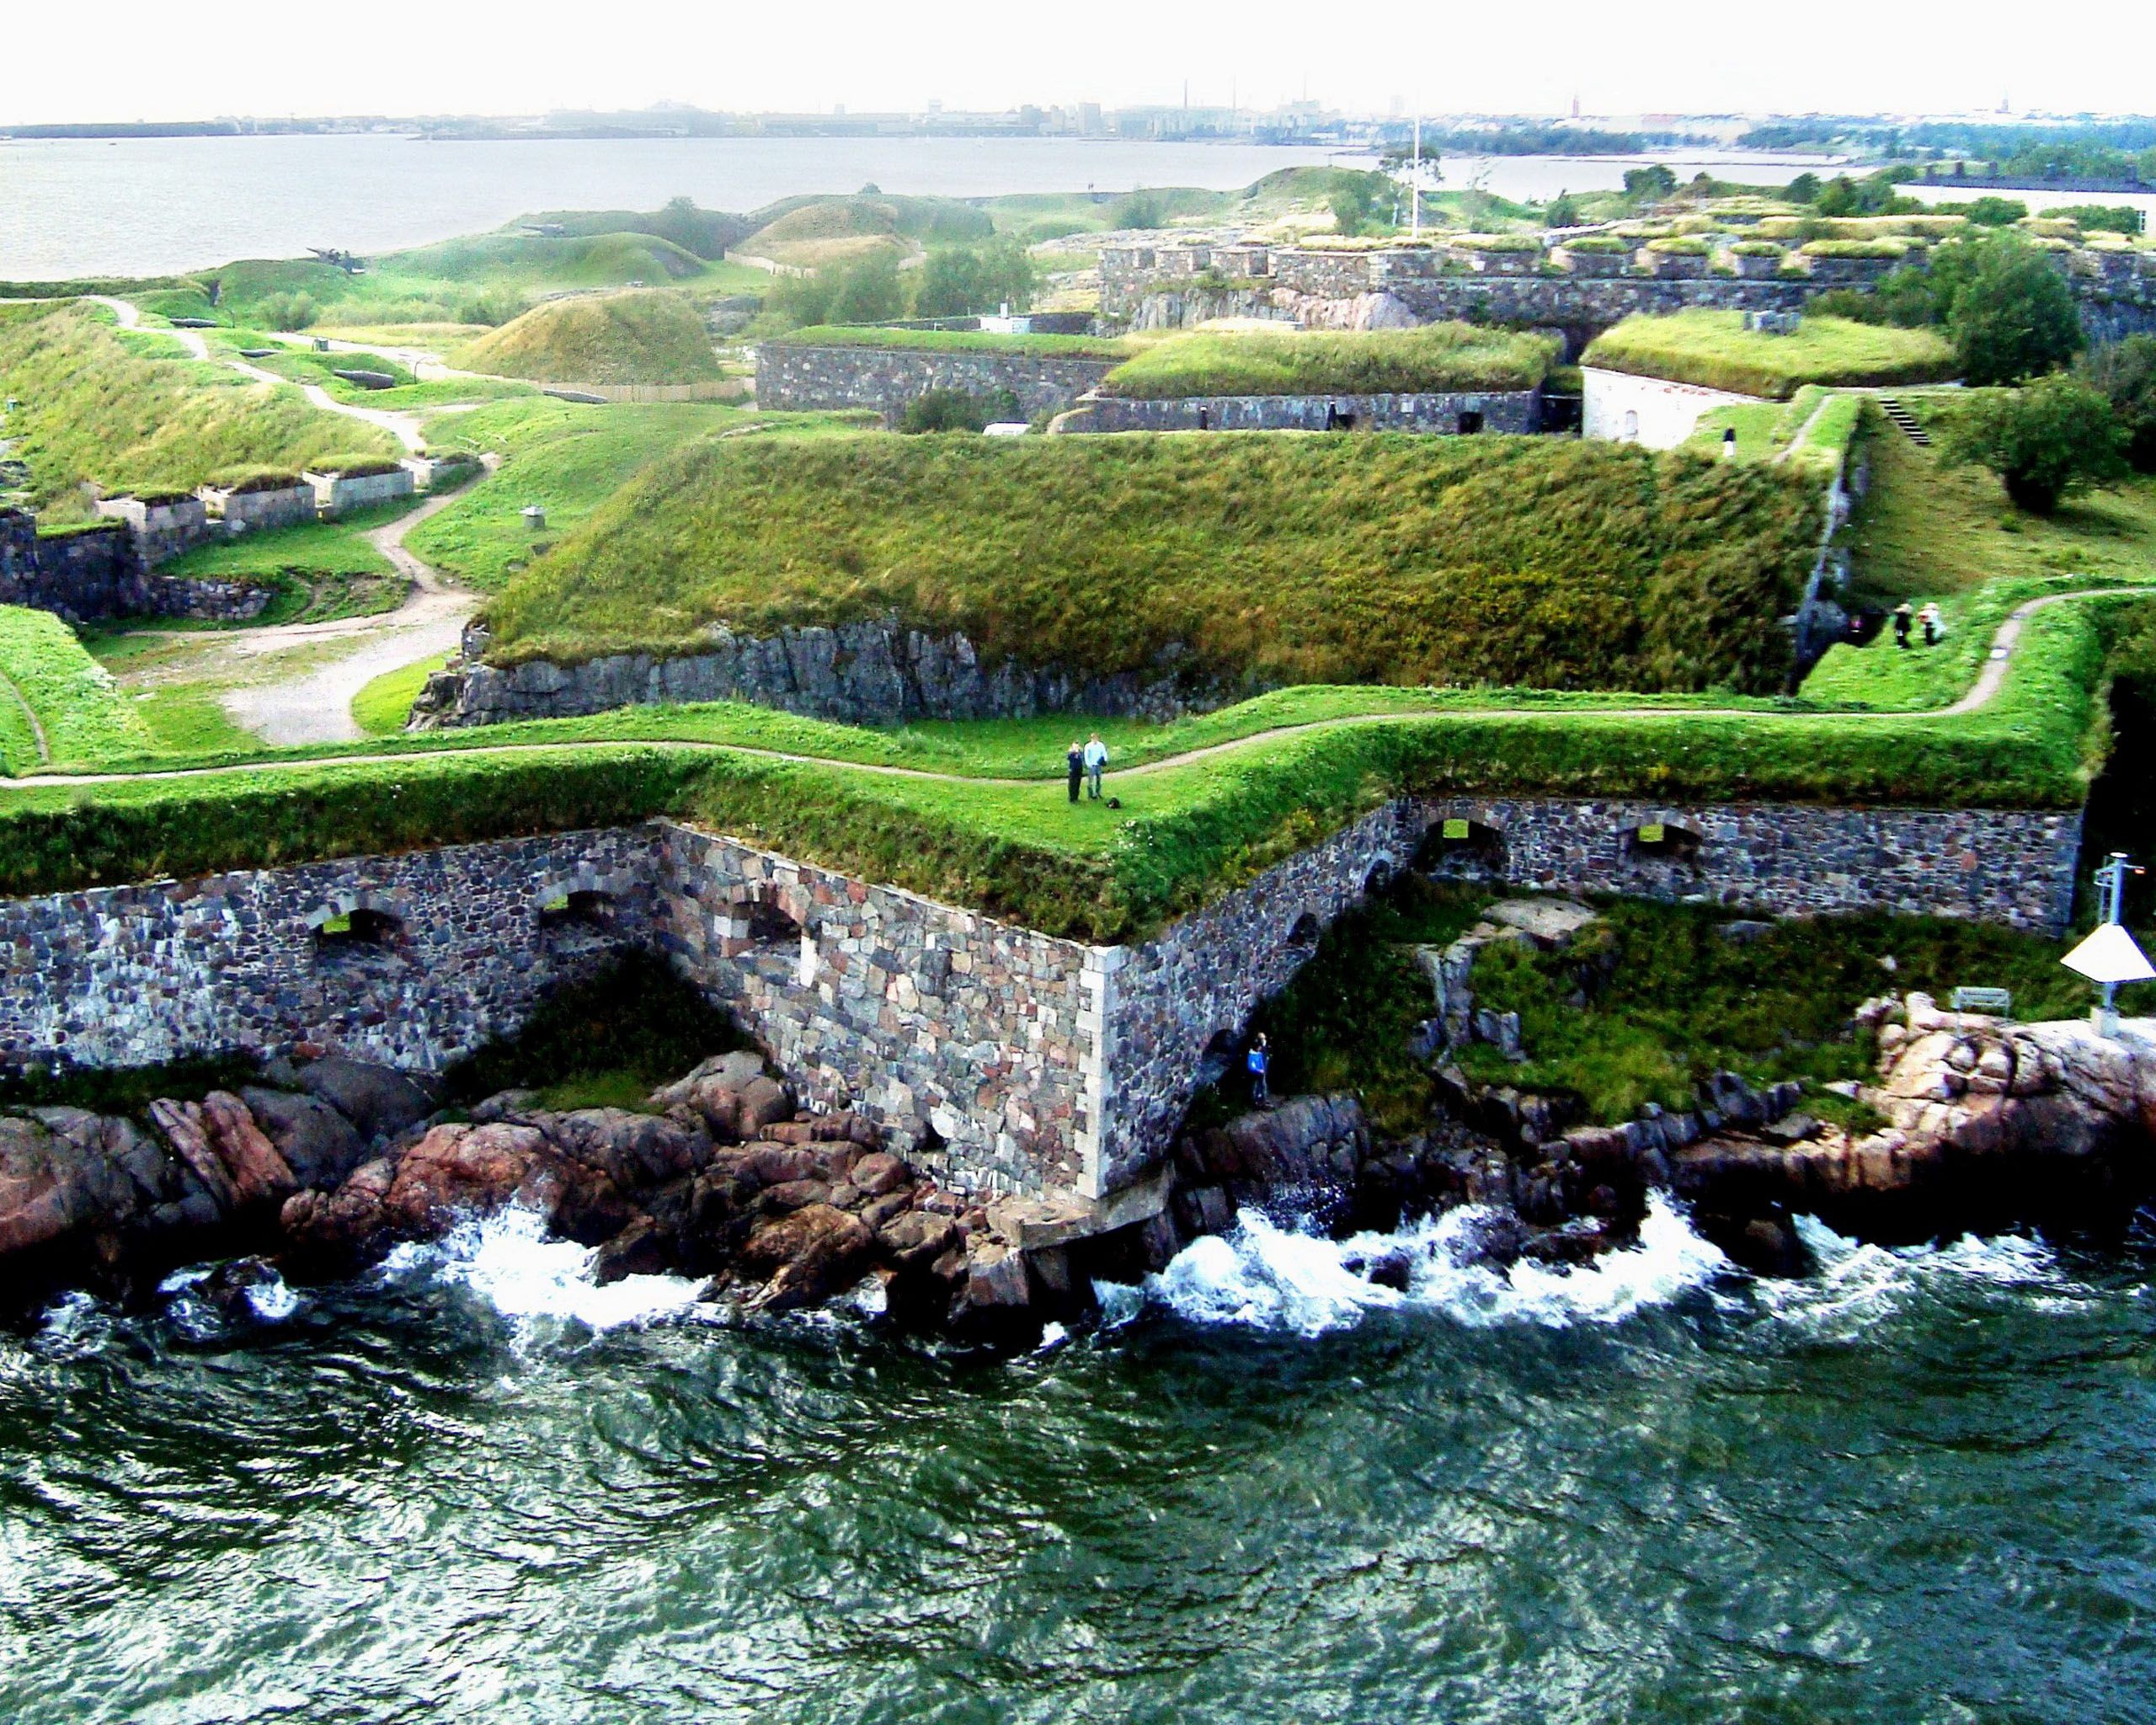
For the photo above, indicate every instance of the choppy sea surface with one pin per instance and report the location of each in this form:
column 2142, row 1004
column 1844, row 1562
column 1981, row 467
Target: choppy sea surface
column 94, row 206
column 1913, row 1487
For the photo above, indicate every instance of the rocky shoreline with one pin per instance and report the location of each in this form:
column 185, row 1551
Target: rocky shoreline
column 324, row 1169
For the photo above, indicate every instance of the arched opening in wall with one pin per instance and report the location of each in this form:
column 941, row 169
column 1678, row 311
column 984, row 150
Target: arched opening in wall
column 584, row 911
column 356, row 935
column 1631, row 425
column 1660, row 842
column 1219, row 1058
column 1459, row 848
column 928, row 1142
column 1471, row 422
column 777, row 937
column 1378, row 880
column 1335, row 420
column 1303, row 937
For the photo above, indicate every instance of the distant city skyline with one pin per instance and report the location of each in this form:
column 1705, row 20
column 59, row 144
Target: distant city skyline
column 144, row 62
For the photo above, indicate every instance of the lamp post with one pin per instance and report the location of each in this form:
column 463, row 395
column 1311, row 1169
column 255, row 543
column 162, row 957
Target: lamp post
column 2109, row 956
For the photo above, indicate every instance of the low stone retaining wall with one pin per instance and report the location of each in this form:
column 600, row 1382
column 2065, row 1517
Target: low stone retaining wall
column 263, row 511
column 92, row 575
column 864, row 673
column 1516, row 411
column 338, row 494
column 989, row 1055
column 792, row 378
column 163, row 531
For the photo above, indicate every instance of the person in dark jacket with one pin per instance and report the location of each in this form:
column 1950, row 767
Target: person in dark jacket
column 1903, row 618
column 1076, row 760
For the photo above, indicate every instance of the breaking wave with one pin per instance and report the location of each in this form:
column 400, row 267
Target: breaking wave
column 1265, row 1276
column 508, row 1261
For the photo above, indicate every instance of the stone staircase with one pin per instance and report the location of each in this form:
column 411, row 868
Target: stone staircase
column 1906, row 420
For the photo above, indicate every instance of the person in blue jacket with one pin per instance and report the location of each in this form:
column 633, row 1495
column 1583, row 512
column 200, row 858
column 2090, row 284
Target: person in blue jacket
column 1258, row 1061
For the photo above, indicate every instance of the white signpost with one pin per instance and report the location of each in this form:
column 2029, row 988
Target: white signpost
column 2109, row 956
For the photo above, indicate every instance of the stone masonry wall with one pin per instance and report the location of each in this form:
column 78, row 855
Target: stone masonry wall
column 863, row 673
column 965, row 1039
column 1518, row 411
column 98, row 574
column 992, row 1055
column 138, row 976
column 793, row 378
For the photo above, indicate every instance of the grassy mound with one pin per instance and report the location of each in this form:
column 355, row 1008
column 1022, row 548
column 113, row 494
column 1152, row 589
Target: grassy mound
column 1263, row 560
column 125, row 413
column 1437, row 357
column 620, row 337
column 1714, row 350
column 940, row 220
column 79, row 717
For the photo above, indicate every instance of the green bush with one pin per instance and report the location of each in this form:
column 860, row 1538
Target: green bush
column 2125, row 371
column 2014, row 317
column 1854, row 248
column 1597, row 245
column 2045, row 442
column 1140, row 211
column 955, row 410
column 959, row 282
column 1755, row 249
column 1995, row 213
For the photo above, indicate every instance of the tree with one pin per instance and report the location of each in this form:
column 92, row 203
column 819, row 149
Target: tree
column 1351, row 197
column 869, row 290
column 955, row 410
column 958, row 281
column 2014, row 317
column 1647, row 185
column 1837, row 197
column 2045, row 442
column 2125, row 371
column 1139, row 210
column 1993, row 213
column 1803, row 189
column 1563, row 211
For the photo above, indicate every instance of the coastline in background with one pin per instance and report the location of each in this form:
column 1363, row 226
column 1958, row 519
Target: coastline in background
column 153, row 206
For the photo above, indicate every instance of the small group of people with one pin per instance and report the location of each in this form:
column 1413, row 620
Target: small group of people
column 1934, row 624
column 1087, row 760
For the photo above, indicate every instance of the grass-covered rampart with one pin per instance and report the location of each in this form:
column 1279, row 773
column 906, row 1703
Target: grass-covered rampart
column 635, row 337
column 124, row 412
column 956, row 341
column 1260, row 560
column 1714, row 350
column 1433, row 358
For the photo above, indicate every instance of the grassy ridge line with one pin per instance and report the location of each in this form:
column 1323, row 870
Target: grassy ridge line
column 1018, row 852
column 1435, row 358
column 83, row 720
column 1714, row 350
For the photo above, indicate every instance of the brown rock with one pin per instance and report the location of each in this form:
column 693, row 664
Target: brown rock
column 631, row 1149
column 345, row 1226
column 775, row 1164
column 792, row 1132
column 997, row 1279
column 764, row 1102
column 917, row 1239
column 794, row 1194
column 457, row 1171
column 258, row 1172
column 638, row 1250
column 879, row 1173
column 806, row 1256
column 885, row 1210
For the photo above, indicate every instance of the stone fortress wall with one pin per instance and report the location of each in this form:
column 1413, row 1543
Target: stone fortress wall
column 989, row 1055
column 1165, row 287
column 101, row 573
column 1518, row 411
column 795, row 378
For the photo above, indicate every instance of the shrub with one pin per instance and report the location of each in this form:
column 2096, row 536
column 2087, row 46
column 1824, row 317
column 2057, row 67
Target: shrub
column 959, row 280
column 1597, row 245
column 1854, row 249
column 955, row 410
column 1755, row 249
column 1140, row 211
column 2014, row 317
column 2102, row 218
column 1995, row 213
column 286, row 311
column 2125, row 371
column 2046, row 442
column 1679, row 246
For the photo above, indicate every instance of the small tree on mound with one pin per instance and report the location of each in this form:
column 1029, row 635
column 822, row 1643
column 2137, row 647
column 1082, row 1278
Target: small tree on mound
column 2125, row 372
column 2045, row 442
column 2014, row 317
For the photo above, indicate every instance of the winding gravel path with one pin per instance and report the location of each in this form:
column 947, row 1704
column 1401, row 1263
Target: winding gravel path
column 1981, row 694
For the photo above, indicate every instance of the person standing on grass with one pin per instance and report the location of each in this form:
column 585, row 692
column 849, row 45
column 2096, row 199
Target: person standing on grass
column 1097, row 757
column 1076, row 760
column 1258, row 1062
column 1902, row 615
column 1929, row 617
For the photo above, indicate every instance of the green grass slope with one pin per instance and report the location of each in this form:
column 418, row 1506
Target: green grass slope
column 651, row 337
column 1714, row 350
column 84, row 720
column 1437, row 357
column 1252, row 561
column 124, row 412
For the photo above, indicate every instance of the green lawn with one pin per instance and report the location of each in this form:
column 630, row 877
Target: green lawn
column 1714, row 350
column 84, row 718
column 566, row 458
column 380, row 708
column 1264, row 560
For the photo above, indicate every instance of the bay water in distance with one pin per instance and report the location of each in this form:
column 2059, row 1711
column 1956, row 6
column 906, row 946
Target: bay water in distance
column 94, row 207
column 1913, row 1487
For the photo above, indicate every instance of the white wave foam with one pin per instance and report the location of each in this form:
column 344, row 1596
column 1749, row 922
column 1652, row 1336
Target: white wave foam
column 1855, row 1284
column 1269, row 1276
column 507, row 1260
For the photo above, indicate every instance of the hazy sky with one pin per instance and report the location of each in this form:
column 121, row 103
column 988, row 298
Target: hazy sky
column 134, row 60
